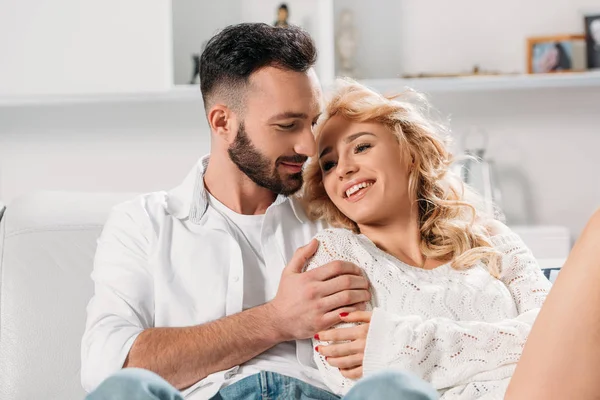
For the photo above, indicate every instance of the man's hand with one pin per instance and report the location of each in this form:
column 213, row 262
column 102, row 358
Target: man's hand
column 349, row 355
column 308, row 302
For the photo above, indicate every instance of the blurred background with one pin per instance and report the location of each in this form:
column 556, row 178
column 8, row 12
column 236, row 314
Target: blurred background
column 102, row 95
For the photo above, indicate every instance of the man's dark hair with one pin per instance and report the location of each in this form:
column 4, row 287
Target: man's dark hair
column 283, row 6
column 231, row 56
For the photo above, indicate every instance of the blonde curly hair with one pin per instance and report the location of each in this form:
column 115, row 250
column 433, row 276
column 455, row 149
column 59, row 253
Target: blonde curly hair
column 451, row 217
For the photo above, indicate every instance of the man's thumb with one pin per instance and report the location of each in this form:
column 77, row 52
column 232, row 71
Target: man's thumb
column 301, row 256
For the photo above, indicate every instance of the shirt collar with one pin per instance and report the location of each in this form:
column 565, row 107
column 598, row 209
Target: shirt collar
column 190, row 198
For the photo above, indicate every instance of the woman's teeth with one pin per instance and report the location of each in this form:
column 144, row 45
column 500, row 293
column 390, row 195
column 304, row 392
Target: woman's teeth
column 356, row 188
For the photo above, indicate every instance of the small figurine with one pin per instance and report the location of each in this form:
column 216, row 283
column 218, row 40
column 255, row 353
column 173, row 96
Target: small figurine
column 196, row 69
column 346, row 43
column 282, row 16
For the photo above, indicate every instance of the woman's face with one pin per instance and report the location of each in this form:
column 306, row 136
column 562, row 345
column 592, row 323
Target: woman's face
column 364, row 172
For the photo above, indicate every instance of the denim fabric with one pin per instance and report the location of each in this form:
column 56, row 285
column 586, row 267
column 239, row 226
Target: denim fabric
column 139, row 384
column 272, row 386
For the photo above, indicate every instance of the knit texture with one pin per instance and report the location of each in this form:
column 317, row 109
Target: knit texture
column 462, row 331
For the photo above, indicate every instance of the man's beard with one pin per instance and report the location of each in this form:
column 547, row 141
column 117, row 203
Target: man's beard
column 258, row 168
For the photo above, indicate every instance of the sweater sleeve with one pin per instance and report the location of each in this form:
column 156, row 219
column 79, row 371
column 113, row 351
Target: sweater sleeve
column 328, row 251
column 448, row 353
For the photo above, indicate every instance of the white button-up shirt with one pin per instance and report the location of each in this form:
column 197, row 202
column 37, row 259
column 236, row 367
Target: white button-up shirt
column 164, row 260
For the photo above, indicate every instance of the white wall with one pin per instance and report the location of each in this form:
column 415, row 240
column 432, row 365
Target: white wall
column 379, row 43
column 99, row 147
column 544, row 144
column 452, row 36
column 194, row 22
column 74, row 46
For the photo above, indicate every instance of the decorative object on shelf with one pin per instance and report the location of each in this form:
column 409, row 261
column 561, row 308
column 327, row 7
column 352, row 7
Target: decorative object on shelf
column 549, row 54
column 592, row 39
column 196, row 69
column 478, row 171
column 345, row 44
column 283, row 14
column 476, row 71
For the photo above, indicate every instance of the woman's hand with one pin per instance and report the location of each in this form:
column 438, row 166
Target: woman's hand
column 347, row 356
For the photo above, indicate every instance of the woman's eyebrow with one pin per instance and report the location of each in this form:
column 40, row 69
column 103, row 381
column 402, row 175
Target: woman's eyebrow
column 349, row 139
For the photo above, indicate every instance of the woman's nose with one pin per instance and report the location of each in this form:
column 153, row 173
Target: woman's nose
column 346, row 168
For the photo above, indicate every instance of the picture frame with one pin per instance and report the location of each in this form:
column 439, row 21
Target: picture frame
column 592, row 40
column 555, row 54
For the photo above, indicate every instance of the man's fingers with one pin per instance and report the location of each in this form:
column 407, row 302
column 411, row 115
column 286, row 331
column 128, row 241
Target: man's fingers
column 344, row 299
column 333, row 269
column 301, row 256
column 332, row 318
column 341, row 283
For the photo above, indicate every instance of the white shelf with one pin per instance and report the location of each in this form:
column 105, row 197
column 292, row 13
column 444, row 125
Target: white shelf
column 427, row 85
column 177, row 93
column 489, row 83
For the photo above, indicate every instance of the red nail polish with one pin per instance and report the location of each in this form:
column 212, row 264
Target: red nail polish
column 317, row 349
column 344, row 314
column 317, row 336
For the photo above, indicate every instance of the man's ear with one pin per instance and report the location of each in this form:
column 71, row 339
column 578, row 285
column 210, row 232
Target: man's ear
column 223, row 122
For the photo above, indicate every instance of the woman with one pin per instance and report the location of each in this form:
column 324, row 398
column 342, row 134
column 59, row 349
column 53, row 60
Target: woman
column 455, row 293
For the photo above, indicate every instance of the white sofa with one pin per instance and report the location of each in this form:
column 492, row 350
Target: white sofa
column 47, row 245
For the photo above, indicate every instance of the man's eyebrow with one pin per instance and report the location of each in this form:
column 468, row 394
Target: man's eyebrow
column 288, row 115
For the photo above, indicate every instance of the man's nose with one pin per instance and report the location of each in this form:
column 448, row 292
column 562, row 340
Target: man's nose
column 306, row 144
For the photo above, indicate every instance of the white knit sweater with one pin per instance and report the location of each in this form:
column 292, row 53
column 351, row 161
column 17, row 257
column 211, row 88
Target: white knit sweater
column 462, row 331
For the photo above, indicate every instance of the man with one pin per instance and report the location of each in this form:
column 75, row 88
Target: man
column 192, row 284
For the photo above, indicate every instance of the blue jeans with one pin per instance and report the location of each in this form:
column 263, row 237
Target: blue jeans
column 139, row 384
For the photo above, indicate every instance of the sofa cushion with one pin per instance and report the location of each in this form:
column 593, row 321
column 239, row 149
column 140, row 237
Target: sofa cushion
column 47, row 245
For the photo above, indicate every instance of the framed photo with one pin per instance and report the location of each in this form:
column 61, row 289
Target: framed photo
column 592, row 40
column 550, row 54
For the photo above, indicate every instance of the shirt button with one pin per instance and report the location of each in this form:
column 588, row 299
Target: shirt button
column 236, row 278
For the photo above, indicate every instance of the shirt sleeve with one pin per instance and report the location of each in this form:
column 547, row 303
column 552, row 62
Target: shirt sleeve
column 448, row 353
column 123, row 302
column 328, row 252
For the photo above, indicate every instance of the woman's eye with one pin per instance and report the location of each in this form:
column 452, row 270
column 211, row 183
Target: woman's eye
column 362, row 147
column 327, row 165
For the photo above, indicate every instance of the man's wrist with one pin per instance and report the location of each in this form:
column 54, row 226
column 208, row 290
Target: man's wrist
column 274, row 324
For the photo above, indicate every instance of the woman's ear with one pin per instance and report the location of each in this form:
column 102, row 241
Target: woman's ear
column 223, row 122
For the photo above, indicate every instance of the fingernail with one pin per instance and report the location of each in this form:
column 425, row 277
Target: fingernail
column 344, row 314
column 317, row 336
column 317, row 349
